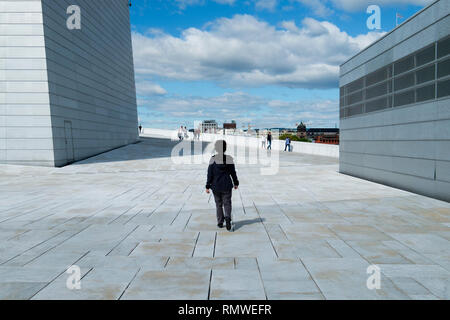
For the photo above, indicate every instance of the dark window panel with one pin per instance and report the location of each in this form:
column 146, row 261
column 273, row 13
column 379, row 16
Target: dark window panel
column 404, row 82
column 403, row 98
column 354, row 110
column 356, row 97
column 426, row 93
column 444, row 68
column 355, row 85
column 404, row 65
column 426, row 55
column 389, row 70
column 342, row 91
column 342, row 103
column 443, row 47
column 443, row 88
column 377, row 90
column 341, row 113
column 378, row 104
column 425, row 74
column 377, row 76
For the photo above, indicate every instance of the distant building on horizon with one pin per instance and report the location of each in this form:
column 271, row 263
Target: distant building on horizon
column 209, row 126
column 230, row 126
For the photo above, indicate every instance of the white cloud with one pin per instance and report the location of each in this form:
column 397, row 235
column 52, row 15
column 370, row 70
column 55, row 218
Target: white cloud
column 183, row 4
column 318, row 6
column 355, row 5
column 266, row 4
column 146, row 88
column 246, row 52
column 323, row 8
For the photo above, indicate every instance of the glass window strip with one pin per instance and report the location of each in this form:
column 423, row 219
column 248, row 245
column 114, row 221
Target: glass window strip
column 420, row 62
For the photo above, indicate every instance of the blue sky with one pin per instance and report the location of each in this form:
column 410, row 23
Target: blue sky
column 271, row 63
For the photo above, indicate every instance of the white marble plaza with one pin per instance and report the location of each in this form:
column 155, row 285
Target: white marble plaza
column 141, row 227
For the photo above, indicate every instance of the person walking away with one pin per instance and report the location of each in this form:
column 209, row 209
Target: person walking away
column 140, row 128
column 263, row 141
column 269, row 141
column 222, row 178
column 186, row 136
column 288, row 144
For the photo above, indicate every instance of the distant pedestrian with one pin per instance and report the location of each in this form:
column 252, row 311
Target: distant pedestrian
column 185, row 133
column 287, row 144
column 221, row 179
column 263, row 141
column 180, row 133
column 140, row 128
column 269, row 141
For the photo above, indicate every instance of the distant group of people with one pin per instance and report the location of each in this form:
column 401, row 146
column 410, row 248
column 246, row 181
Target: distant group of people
column 182, row 133
column 197, row 134
column 266, row 140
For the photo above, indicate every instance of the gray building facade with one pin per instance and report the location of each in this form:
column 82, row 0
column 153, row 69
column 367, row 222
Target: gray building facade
column 65, row 95
column 395, row 106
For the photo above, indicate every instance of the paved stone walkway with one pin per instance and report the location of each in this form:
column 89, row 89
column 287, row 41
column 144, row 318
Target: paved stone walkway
column 142, row 227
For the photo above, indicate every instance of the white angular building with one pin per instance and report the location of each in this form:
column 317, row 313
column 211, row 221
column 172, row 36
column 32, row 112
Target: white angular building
column 65, row 94
column 395, row 106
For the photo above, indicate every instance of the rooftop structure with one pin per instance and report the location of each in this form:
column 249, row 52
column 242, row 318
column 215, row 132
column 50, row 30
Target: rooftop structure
column 395, row 106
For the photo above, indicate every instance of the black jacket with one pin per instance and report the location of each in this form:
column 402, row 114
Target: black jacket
column 221, row 174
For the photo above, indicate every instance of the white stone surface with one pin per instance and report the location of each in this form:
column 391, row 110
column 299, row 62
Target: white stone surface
column 141, row 226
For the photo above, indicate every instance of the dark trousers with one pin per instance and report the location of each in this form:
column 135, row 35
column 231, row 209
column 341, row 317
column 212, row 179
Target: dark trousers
column 223, row 201
column 288, row 146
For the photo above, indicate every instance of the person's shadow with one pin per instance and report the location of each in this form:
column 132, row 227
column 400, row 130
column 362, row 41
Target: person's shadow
column 241, row 223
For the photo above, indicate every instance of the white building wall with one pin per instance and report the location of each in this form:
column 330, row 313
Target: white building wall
column 91, row 77
column 409, row 146
column 51, row 76
column 25, row 126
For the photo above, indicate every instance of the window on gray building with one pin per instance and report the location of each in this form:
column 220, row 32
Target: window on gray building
column 443, row 47
column 426, row 55
column 355, row 85
column 378, row 76
column 425, row 74
column 404, row 65
column 426, row 93
column 354, row 110
column 443, row 89
column 378, row 104
column 377, row 90
column 414, row 81
column 444, row 68
column 403, row 98
column 356, row 97
column 404, row 82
